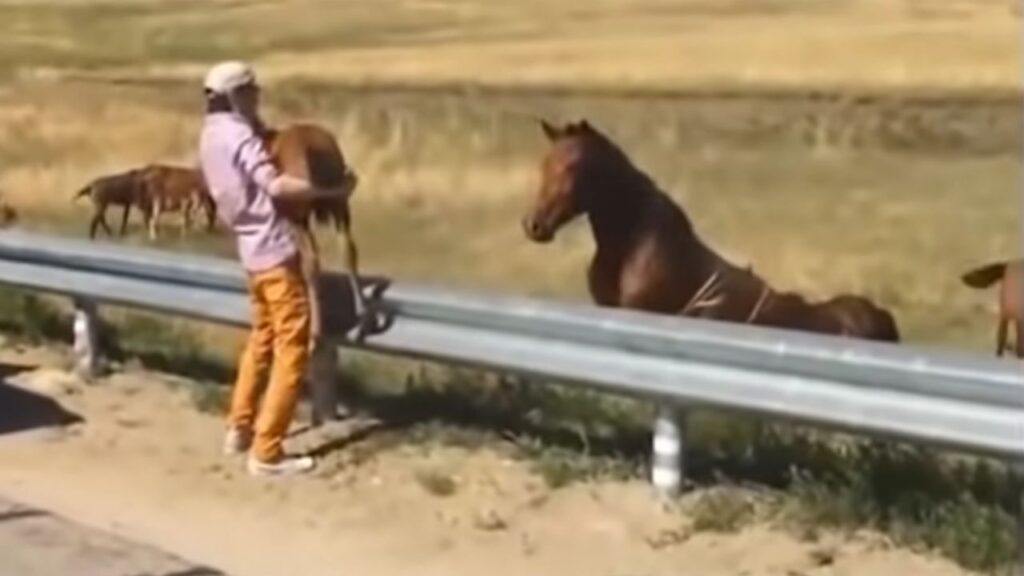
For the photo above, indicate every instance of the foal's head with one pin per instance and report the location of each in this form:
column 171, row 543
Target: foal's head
column 570, row 174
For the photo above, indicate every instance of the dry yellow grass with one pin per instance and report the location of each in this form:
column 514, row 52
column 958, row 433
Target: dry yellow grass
column 609, row 44
column 445, row 181
column 818, row 196
column 794, row 52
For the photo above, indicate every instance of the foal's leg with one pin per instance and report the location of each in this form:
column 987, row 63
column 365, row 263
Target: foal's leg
column 211, row 213
column 124, row 217
column 1018, row 330
column 343, row 224
column 94, row 224
column 310, row 267
column 323, row 354
column 186, row 217
column 154, row 216
column 1001, row 330
column 100, row 219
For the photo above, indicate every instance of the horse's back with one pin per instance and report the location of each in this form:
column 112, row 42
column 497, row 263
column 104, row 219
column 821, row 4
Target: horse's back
column 173, row 185
column 311, row 152
column 118, row 188
column 790, row 310
column 862, row 318
column 178, row 178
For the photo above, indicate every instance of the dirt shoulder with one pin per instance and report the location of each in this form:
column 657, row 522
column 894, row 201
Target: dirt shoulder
column 132, row 456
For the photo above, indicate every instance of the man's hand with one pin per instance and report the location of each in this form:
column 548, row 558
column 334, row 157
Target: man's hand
column 330, row 192
column 286, row 187
column 343, row 191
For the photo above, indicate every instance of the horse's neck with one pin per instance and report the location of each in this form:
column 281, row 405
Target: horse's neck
column 628, row 208
column 615, row 212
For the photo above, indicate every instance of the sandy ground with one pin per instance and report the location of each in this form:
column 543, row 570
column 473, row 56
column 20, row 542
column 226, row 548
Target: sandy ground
column 131, row 455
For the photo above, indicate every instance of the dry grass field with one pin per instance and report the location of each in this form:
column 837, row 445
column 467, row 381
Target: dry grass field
column 638, row 44
column 857, row 145
column 889, row 198
column 868, row 146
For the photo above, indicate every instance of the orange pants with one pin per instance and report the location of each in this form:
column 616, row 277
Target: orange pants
column 278, row 344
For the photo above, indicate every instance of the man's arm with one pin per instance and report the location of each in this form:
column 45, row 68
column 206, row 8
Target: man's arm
column 286, row 186
column 255, row 161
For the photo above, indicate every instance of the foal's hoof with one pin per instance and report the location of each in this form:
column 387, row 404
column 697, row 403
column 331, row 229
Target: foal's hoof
column 365, row 324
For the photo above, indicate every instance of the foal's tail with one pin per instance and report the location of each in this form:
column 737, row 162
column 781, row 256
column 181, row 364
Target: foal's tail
column 309, row 267
column 984, row 276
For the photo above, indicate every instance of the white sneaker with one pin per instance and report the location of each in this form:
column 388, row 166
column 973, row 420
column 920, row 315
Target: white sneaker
column 237, row 441
column 286, row 466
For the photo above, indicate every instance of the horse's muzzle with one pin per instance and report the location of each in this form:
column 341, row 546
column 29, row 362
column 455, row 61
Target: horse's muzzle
column 537, row 232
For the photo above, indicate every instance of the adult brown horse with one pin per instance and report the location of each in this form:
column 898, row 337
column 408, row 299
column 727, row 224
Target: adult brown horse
column 8, row 215
column 119, row 189
column 311, row 152
column 650, row 258
column 169, row 188
column 1010, row 274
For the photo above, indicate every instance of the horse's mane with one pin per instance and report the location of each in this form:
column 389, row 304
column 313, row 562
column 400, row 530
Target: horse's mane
column 641, row 186
column 631, row 170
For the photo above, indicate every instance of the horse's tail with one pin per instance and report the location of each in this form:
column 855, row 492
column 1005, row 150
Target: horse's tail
column 984, row 276
column 87, row 190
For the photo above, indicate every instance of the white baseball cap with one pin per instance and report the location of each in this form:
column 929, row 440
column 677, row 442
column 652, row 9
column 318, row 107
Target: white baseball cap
column 225, row 77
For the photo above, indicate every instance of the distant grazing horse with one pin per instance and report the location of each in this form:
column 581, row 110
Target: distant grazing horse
column 8, row 215
column 120, row 189
column 174, row 188
column 649, row 257
column 311, row 152
column 1011, row 274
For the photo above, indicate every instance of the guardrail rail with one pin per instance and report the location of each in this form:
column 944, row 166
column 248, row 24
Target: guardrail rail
column 901, row 391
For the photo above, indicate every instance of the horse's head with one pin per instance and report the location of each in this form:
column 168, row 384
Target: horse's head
column 567, row 172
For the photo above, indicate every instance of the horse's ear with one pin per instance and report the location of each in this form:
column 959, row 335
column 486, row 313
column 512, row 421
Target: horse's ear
column 579, row 127
column 550, row 131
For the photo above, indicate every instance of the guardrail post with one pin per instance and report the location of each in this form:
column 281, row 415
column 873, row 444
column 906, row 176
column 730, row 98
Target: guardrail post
column 86, row 338
column 1020, row 531
column 323, row 379
column 1018, row 468
column 669, row 442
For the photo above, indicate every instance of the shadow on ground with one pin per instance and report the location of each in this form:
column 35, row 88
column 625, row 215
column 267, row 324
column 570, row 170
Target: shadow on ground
column 18, row 514
column 22, row 410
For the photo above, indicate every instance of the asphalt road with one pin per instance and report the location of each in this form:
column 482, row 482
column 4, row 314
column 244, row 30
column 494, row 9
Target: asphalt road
column 36, row 543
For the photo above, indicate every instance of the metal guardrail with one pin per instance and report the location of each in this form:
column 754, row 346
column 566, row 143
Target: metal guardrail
column 958, row 400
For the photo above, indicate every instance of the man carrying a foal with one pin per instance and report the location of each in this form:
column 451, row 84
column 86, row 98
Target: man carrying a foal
column 244, row 183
